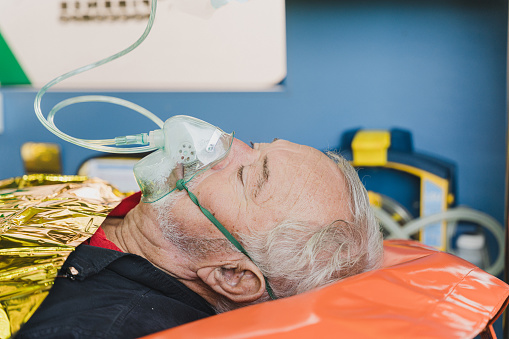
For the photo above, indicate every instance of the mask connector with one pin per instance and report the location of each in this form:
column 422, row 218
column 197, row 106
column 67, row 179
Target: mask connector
column 138, row 139
column 156, row 138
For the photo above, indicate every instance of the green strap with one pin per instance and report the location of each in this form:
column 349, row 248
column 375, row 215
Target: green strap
column 182, row 186
column 11, row 72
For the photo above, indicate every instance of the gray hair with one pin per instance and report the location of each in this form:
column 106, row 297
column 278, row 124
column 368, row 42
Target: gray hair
column 296, row 257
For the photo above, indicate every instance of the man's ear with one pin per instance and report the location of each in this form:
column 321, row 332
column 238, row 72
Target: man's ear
column 240, row 281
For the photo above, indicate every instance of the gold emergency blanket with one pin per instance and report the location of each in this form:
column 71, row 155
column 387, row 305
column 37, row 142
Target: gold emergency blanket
column 42, row 219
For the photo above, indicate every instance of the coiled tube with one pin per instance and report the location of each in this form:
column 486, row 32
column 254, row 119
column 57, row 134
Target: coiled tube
column 451, row 215
column 99, row 145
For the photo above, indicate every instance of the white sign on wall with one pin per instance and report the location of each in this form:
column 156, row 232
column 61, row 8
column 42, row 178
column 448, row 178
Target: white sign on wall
column 192, row 46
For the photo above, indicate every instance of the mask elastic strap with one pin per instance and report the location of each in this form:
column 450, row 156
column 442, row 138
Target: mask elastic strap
column 180, row 186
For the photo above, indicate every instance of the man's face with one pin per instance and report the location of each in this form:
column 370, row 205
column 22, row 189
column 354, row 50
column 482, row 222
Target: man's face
column 262, row 186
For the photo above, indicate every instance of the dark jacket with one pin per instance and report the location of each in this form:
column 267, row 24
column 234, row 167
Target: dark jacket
column 102, row 293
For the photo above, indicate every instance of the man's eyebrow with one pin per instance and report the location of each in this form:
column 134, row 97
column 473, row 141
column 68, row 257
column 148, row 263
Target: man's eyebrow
column 264, row 177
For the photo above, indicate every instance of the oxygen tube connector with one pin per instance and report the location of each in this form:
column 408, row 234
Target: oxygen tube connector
column 138, row 139
column 154, row 138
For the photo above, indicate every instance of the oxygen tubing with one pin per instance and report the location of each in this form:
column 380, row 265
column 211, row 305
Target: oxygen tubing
column 451, row 215
column 99, row 145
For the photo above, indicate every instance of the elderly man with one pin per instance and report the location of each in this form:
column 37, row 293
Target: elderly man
column 302, row 217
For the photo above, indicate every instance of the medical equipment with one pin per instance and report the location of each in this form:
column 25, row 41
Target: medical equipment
column 115, row 169
column 412, row 195
column 421, row 184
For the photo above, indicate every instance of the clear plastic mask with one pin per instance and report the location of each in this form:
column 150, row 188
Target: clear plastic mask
column 187, row 147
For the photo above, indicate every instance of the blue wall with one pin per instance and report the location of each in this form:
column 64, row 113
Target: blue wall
column 437, row 68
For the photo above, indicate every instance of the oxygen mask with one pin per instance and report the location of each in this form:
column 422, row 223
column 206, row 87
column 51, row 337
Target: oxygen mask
column 186, row 147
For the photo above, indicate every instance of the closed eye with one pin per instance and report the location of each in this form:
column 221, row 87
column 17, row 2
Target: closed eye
column 239, row 174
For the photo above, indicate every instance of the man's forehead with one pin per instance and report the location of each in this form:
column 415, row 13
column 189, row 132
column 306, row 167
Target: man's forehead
column 304, row 160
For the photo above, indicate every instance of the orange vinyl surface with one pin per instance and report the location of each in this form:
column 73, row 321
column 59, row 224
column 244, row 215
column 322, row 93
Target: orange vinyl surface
column 419, row 293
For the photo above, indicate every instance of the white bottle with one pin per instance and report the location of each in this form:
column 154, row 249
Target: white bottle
column 471, row 247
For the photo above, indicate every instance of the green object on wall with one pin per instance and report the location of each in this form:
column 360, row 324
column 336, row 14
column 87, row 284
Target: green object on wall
column 11, row 72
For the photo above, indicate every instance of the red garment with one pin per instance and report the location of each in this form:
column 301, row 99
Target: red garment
column 99, row 238
column 126, row 205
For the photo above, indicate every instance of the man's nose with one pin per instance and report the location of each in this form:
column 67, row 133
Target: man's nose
column 241, row 148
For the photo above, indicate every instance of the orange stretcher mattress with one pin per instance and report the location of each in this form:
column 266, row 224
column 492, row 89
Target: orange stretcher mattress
column 419, row 293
